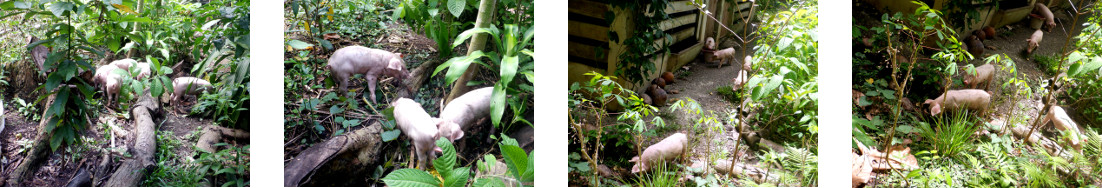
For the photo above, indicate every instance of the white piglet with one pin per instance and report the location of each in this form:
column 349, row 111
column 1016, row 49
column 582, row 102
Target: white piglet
column 373, row 63
column 124, row 64
column 724, row 55
column 188, row 86
column 1063, row 122
column 739, row 80
column 669, row 148
column 107, row 80
column 143, row 70
column 710, row 43
column 1034, row 41
column 419, row 127
column 972, row 99
column 1043, row 10
column 462, row 112
column 983, row 75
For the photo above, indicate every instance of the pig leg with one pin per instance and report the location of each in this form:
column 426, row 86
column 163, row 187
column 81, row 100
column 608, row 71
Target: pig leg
column 343, row 83
column 371, row 86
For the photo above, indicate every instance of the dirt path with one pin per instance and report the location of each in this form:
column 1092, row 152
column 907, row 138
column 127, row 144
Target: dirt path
column 700, row 84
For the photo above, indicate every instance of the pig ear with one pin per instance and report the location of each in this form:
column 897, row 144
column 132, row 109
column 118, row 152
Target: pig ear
column 394, row 65
column 458, row 134
column 634, row 159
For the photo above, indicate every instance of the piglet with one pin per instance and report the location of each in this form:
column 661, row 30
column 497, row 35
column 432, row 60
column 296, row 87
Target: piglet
column 973, row 99
column 371, row 62
column 724, row 55
column 188, row 86
column 143, row 69
column 1043, row 10
column 739, row 80
column 124, row 64
column 710, row 43
column 419, row 127
column 746, row 63
column 1060, row 119
column 1034, row 41
column 669, row 148
column 107, row 80
column 982, row 75
column 462, row 112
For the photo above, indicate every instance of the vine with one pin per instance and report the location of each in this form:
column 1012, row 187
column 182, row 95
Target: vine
column 635, row 64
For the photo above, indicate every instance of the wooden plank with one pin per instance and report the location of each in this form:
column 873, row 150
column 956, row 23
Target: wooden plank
column 683, row 57
column 585, row 51
column 589, row 31
column 683, row 34
column 588, row 8
column 679, row 6
column 677, row 22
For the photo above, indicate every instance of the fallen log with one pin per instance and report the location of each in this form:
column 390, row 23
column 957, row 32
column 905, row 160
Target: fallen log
column 418, row 76
column 301, row 167
column 213, row 134
column 132, row 171
column 37, row 153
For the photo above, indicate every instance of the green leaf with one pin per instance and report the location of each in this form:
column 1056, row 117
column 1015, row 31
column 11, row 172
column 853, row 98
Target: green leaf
column 457, row 66
column 391, row 135
column 158, row 88
column 456, row 7
column 59, row 8
column 509, row 69
column 516, row 159
column 410, row 178
column 297, row 44
column 335, row 109
column 488, row 182
column 58, row 107
column 497, row 104
column 458, row 177
column 445, row 162
column 470, row 32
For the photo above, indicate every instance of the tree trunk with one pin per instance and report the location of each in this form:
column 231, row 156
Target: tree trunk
column 134, row 52
column 478, row 42
column 212, row 134
column 38, row 152
column 301, row 167
column 133, row 170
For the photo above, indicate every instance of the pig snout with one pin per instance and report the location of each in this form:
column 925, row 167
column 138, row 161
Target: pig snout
column 669, row 148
